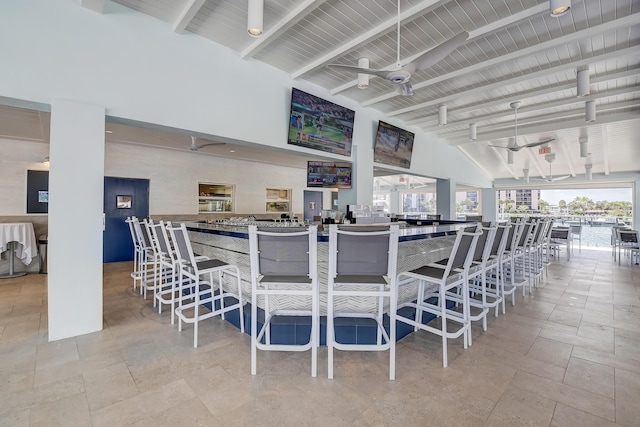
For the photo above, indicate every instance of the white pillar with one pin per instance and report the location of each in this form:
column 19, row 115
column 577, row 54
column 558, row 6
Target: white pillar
column 489, row 204
column 446, row 198
column 76, row 187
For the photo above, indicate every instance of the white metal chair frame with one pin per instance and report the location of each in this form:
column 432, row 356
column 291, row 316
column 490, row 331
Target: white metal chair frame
column 362, row 263
column 576, row 233
column 436, row 280
column 284, row 262
column 628, row 244
column 203, row 292
column 137, row 252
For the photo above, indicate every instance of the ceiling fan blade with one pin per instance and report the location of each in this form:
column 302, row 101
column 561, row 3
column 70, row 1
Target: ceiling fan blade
column 536, row 144
column 499, row 146
column 379, row 73
column 438, row 53
column 560, row 178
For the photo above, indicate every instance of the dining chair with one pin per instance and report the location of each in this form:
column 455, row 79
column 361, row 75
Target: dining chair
column 434, row 296
column 628, row 244
column 362, row 272
column 284, row 283
column 217, row 294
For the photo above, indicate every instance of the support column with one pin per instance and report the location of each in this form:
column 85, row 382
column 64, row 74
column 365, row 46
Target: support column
column 446, row 198
column 361, row 191
column 76, row 187
column 489, row 204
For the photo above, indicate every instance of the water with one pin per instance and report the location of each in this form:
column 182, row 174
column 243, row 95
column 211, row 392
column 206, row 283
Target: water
column 596, row 237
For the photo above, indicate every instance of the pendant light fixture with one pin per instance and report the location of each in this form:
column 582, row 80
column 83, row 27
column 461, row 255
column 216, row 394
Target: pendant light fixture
column 584, row 149
column 525, row 172
column 255, row 17
column 363, row 79
column 590, row 111
column 442, row 115
column 559, row 7
column 587, row 172
column 510, row 157
column 582, row 83
column 473, row 132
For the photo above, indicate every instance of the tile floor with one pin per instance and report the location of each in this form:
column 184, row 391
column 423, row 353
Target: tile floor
column 568, row 355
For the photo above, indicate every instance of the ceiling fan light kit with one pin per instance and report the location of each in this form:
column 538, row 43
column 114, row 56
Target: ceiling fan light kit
column 255, row 15
column 559, row 7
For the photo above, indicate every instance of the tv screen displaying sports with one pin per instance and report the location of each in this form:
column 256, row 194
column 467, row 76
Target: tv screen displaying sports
column 319, row 124
column 393, row 146
column 329, row 174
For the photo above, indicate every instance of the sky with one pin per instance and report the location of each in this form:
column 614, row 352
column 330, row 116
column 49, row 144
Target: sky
column 599, row 194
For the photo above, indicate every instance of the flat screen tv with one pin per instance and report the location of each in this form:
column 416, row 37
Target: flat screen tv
column 319, row 124
column 393, row 146
column 329, row 174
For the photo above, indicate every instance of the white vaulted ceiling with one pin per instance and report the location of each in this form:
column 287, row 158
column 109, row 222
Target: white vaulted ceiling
column 515, row 51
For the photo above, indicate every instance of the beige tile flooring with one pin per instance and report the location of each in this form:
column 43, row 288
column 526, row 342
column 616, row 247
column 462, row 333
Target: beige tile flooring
column 567, row 355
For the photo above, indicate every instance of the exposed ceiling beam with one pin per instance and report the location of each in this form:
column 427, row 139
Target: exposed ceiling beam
column 296, row 15
column 479, row 32
column 451, row 114
column 474, row 161
column 533, row 125
column 94, row 5
column 534, row 161
column 532, row 50
column 186, row 15
column 567, row 156
column 379, row 30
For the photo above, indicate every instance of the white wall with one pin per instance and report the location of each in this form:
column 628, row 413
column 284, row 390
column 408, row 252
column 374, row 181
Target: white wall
column 173, row 175
column 138, row 69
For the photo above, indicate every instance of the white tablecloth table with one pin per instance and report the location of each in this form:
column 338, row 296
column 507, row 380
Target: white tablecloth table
column 20, row 239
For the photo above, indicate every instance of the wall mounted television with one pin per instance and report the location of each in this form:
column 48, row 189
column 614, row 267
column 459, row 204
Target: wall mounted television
column 393, row 146
column 319, row 124
column 329, row 174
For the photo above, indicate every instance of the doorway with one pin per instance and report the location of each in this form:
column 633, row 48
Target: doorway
column 123, row 197
column 312, row 205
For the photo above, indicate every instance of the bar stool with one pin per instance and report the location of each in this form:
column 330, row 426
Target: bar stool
column 362, row 267
column 284, row 263
column 214, row 292
column 435, row 281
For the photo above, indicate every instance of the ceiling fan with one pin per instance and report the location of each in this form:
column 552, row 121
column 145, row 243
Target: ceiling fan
column 550, row 158
column 400, row 75
column 513, row 144
column 195, row 147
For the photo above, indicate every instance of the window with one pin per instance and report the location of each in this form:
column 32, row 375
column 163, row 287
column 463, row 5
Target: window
column 215, row 198
column 419, row 202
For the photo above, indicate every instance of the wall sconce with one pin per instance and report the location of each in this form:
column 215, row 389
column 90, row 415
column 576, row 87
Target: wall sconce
column 473, row 131
column 363, row 79
column 526, row 175
column 510, row 157
column 559, row 7
column 587, row 172
column 442, row 115
column 590, row 111
column 582, row 83
column 255, row 16
column 584, row 149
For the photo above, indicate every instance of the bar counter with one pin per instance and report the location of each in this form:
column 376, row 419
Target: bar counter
column 230, row 243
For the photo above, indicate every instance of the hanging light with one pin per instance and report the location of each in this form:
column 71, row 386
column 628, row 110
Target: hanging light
column 473, row 131
column 587, row 172
column 584, row 149
column 363, row 79
column 510, row 157
column 590, row 111
column 442, row 115
column 254, row 17
column 583, row 83
column 525, row 172
column 559, row 7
